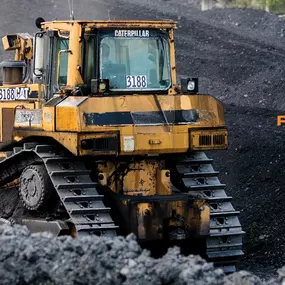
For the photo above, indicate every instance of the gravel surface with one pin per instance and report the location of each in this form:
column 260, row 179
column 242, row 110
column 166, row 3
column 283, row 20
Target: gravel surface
column 238, row 55
column 45, row 260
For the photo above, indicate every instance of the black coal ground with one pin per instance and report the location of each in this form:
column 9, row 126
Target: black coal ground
column 238, row 55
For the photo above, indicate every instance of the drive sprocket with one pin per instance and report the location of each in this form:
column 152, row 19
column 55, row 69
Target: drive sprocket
column 34, row 187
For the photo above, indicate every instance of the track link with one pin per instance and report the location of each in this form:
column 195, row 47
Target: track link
column 224, row 244
column 70, row 178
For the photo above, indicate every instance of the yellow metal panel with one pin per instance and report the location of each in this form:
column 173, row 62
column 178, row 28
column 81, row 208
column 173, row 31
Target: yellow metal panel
column 210, row 110
column 17, row 104
column 58, row 25
column 137, row 139
column 169, row 143
column 35, row 87
column 67, row 25
column 172, row 59
column 161, row 142
column 67, row 119
column 48, row 119
column 150, row 129
column 74, row 78
column 134, row 103
column 68, row 140
column 145, row 177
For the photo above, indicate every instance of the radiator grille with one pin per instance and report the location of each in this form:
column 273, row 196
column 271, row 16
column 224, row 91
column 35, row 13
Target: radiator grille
column 219, row 139
column 101, row 144
column 205, row 140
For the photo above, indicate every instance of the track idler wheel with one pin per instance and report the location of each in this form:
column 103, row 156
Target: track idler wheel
column 35, row 187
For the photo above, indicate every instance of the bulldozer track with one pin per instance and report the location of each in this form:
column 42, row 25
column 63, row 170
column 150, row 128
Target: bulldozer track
column 71, row 180
column 81, row 201
column 224, row 244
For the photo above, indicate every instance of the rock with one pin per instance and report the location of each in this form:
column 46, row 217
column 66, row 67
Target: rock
column 46, row 260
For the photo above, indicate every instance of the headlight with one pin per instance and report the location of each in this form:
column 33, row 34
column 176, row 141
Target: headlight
column 191, row 86
column 99, row 86
column 102, row 87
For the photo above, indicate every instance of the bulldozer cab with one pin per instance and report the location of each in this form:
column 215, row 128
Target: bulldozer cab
column 113, row 58
column 105, row 58
column 133, row 63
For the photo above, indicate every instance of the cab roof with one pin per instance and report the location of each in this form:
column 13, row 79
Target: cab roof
column 159, row 24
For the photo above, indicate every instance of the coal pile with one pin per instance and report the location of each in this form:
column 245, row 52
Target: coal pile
column 238, row 55
column 46, row 260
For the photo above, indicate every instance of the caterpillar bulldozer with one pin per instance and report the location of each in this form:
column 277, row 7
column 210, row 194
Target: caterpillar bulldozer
column 97, row 138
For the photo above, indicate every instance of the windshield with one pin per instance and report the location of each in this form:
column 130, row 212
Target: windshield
column 135, row 63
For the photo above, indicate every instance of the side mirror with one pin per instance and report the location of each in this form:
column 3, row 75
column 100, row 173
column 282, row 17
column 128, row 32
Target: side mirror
column 38, row 55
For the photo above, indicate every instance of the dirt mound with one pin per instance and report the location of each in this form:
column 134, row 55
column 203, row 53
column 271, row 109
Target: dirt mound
column 253, row 168
column 43, row 259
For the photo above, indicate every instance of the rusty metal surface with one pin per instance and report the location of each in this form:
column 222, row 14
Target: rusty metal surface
column 112, row 24
column 142, row 177
column 161, row 217
column 7, row 124
column 31, row 118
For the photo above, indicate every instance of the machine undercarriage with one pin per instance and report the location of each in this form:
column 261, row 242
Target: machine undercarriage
column 47, row 173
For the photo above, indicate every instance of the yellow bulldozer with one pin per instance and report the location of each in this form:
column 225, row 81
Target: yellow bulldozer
column 99, row 138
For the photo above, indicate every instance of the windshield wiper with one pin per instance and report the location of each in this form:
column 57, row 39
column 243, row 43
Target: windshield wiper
column 161, row 60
